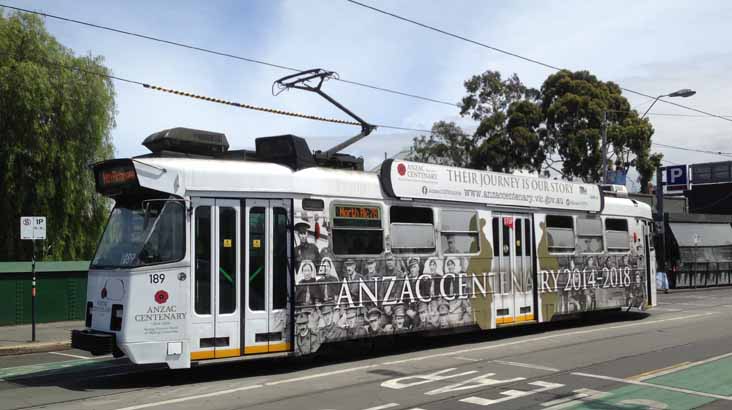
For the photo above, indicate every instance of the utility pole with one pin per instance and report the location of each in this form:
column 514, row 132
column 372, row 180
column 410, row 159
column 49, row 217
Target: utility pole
column 604, row 147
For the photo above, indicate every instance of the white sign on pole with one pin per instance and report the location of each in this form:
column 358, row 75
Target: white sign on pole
column 32, row 227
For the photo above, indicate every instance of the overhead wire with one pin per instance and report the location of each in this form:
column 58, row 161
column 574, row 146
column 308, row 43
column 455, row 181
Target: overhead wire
column 667, row 114
column 221, row 53
column 720, row 153
column 198, row 96
column 515, row 55
column 356, row 83
column 295, row 114
column 290, row 113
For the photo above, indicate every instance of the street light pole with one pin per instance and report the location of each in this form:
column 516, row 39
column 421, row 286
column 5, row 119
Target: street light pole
column 604, row 147
column 684, row 92
column 660, row 214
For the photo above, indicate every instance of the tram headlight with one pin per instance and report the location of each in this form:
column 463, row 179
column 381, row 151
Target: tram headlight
column 116, row 322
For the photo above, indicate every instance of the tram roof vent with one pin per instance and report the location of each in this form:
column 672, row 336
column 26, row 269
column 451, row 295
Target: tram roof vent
column 188, row 141
column 620, row 191
column 288, row 150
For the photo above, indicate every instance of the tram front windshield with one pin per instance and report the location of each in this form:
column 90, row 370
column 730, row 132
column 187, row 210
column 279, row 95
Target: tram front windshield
column 142, row 232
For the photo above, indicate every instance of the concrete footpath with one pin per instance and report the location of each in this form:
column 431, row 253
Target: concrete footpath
column 49, row 337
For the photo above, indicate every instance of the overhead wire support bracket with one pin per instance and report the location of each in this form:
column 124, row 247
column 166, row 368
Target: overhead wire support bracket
column 304, row 81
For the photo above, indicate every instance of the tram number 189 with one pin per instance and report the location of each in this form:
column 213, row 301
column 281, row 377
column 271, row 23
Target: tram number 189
column 157, row 277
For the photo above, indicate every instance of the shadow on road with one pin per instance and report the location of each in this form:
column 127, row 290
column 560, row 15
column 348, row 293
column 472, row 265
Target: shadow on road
column 125, row 375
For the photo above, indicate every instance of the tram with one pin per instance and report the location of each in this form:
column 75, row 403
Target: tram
column 213, row 254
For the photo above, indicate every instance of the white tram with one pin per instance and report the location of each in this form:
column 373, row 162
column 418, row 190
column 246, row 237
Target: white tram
column 212, row 254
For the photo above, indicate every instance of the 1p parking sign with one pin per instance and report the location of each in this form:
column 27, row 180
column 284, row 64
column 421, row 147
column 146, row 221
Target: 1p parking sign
column 32, row 227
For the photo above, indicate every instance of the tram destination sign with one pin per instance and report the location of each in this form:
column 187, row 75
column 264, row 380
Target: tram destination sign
column 405, row 179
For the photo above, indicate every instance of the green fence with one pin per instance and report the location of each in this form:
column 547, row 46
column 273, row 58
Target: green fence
column 60, row 291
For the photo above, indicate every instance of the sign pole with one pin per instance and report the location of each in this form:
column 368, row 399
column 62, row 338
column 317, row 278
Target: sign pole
column 33, row 292
column 33, row 228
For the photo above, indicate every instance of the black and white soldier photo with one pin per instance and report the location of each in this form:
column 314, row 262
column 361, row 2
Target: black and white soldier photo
column 328, row 326
column 306, row 339
column 305, row 249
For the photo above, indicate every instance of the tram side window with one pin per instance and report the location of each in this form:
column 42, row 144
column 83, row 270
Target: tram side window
column 412, row 229
column 202, row 285
column 528, row 237
column 589, row 235
column 560, row 233
column 227, row 260
column 616, row 235
column 357, row 230
column 459, row 232
column 280, row 261
column 257, row 257
column 496, row 239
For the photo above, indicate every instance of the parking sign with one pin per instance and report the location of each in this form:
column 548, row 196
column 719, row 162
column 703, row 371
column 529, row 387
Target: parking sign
column 32, row 227
column 677, row 178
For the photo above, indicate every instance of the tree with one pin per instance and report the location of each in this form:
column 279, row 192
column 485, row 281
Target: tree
column 507, row 136
column 55, row 119
column 537, row 130
column 448, row 144
column 573, row 105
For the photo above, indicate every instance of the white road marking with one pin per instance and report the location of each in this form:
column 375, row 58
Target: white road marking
column 383, row 406
column 512, row 394
column 74, row 355
column 527, row 365
column 656, row 386
column 319, row 375
column 655, row 309
column 547, row 337
column 686, row 366
column 188, row 398
column 467, row 359
column 580, row 396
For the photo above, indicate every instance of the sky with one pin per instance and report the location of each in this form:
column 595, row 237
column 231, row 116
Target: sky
column 653, row 46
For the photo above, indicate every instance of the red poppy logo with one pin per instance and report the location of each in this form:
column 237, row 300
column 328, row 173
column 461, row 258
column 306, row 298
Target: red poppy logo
column 401, row 169
column 161, row 296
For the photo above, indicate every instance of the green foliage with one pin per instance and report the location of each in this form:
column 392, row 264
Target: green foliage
column 524, row 128
column 53, row 123
column 447, row 145
column 573, row 104
column 507, row 137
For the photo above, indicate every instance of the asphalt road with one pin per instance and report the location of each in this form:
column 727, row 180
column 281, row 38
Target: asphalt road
column 677, row 357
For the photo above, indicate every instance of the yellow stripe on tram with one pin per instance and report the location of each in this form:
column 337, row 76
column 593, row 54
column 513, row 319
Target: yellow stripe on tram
column 520, row 318
column 224, row 353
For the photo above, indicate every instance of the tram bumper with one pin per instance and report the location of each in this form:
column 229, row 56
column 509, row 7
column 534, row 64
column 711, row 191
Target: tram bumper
column 93, row 341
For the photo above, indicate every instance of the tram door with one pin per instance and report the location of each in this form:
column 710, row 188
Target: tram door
column 268, row 255
column 216, row 278
column 512, row 262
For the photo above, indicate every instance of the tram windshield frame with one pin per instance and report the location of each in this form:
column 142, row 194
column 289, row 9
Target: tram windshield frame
column 143, row 232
